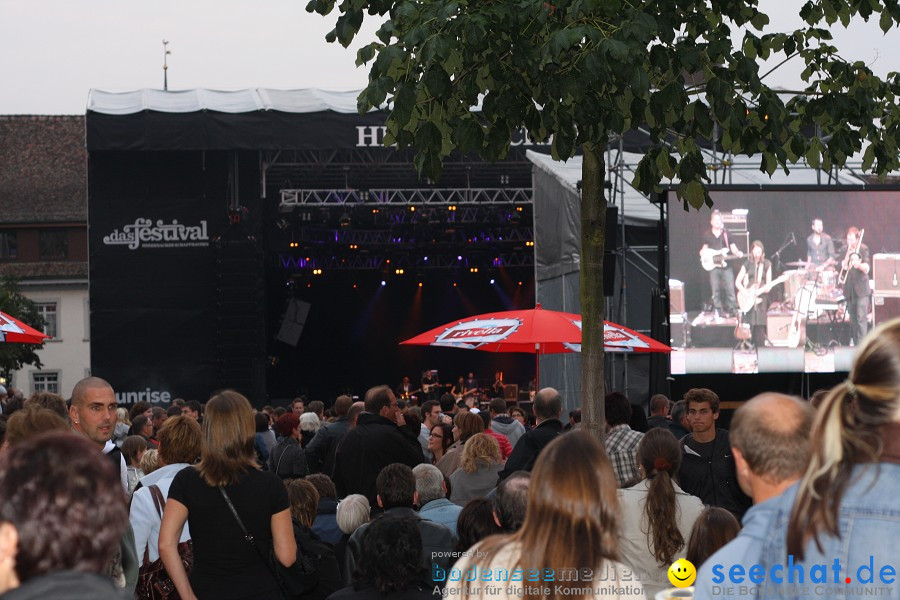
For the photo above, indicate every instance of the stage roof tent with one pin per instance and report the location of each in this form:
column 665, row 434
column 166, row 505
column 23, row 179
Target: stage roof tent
column 636, row 209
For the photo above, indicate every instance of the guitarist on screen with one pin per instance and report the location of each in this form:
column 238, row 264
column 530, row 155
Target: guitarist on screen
column 754, row 281
column 716, row 248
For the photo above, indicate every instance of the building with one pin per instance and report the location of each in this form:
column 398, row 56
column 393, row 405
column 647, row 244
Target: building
column 43, row 239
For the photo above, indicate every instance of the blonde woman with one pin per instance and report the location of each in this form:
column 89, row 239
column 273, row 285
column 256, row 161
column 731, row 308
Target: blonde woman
column 478, row 469
column 845, row 505
column 225, row 564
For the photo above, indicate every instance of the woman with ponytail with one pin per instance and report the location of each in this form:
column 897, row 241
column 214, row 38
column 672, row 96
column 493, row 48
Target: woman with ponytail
column 845, row 506
column 657, row 516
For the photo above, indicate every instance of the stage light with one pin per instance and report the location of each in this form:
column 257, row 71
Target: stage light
column 454, row 284
column 451, row 208
column 383, row 282
column 520, row 283
column 519, row 209
column 420, row 284
column 345, row 219
column 294, row 245
column 529, row 243
column 354, row 286
column 426, row 259
column 398, row 271
column 459, row 257
column 388, row 261
column 375, row 211
column 492, row 282
column 473, row 270
column 317, row 271
column 412, row 209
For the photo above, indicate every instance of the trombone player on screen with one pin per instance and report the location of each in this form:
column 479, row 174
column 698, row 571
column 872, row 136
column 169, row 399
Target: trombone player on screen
column 854, row 278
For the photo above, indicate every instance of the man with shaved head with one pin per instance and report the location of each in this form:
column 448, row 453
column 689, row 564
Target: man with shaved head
column 93, row 415
column 770, row 442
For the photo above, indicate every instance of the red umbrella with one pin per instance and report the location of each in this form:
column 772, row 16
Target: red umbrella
column 535, row 331
column 14, row 330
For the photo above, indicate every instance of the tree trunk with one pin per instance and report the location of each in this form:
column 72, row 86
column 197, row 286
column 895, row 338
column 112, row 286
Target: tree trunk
column 593, row 236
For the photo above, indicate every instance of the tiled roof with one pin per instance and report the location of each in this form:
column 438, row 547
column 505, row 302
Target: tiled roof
column 46, row 270
column 43, row 169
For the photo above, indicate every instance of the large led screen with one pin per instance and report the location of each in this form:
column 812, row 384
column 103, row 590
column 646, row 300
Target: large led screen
column 780, row 281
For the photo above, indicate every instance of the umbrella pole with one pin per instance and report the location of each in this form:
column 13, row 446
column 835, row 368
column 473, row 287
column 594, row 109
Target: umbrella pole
column 537, row 366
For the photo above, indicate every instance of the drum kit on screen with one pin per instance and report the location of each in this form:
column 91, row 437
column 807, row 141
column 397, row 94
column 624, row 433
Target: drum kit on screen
column 810, row 290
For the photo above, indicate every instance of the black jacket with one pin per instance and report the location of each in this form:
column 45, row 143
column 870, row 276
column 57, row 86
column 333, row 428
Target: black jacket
column 326, row 577
column 437, row 541
column 321, row 450
column 287, row 459
column 66, row 585
column 712, row 478
column 375, row 443
column 530, row 445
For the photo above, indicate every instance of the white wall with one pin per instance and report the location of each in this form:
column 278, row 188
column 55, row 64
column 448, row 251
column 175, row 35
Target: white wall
column 70, row 352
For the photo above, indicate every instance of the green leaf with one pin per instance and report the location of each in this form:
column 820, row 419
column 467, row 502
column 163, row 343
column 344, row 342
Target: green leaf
column 885, row 22
column 759, row 21
column 694, row 193
column 868, row 157
column 469, row 135
column 813, row 153
column 437, row 82
column 428, row 138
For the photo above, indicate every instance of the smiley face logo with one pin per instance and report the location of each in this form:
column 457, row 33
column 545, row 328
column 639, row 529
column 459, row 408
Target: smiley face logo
column 682, row 573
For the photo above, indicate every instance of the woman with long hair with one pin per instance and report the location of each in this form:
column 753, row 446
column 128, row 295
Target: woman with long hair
column 226, row 565
column 714, row 528
column 326, row 579
column 439, row 440
column 657, row 515
column 465, row 426
column 845, row 505
column 571, row 526
column 478, row 470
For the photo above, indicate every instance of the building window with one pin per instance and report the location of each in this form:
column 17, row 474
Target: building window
column 9, row 249
column 53, row 244
column 45, row 381
column 48, row 311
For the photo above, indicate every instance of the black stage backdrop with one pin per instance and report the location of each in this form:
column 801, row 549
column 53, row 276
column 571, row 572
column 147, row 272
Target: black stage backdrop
column 351, row 337
column 152, row 219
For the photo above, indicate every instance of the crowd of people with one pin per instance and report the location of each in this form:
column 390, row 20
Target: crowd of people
column 377, row 499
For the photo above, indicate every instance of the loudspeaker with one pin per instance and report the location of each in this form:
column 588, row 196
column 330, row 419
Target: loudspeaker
column 680, row 331
column 511, row 391
column 885, row 274
column 778, row 326
column 294, row 320
column 780, row 360
column 741, row 239
column 886, row 307
column 676, row 297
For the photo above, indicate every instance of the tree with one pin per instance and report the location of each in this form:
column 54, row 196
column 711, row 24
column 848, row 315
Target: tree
column 581, row 71
column 14, row 356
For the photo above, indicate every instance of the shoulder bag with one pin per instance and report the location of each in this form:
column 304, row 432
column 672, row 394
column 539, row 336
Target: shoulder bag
column 153, row 581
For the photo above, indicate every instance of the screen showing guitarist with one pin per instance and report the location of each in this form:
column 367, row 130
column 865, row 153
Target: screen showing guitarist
column 855, row 278
column 754, row 281
column 716, row 249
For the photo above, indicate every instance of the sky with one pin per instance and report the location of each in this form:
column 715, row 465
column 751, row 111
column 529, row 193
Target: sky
column 52, row 52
